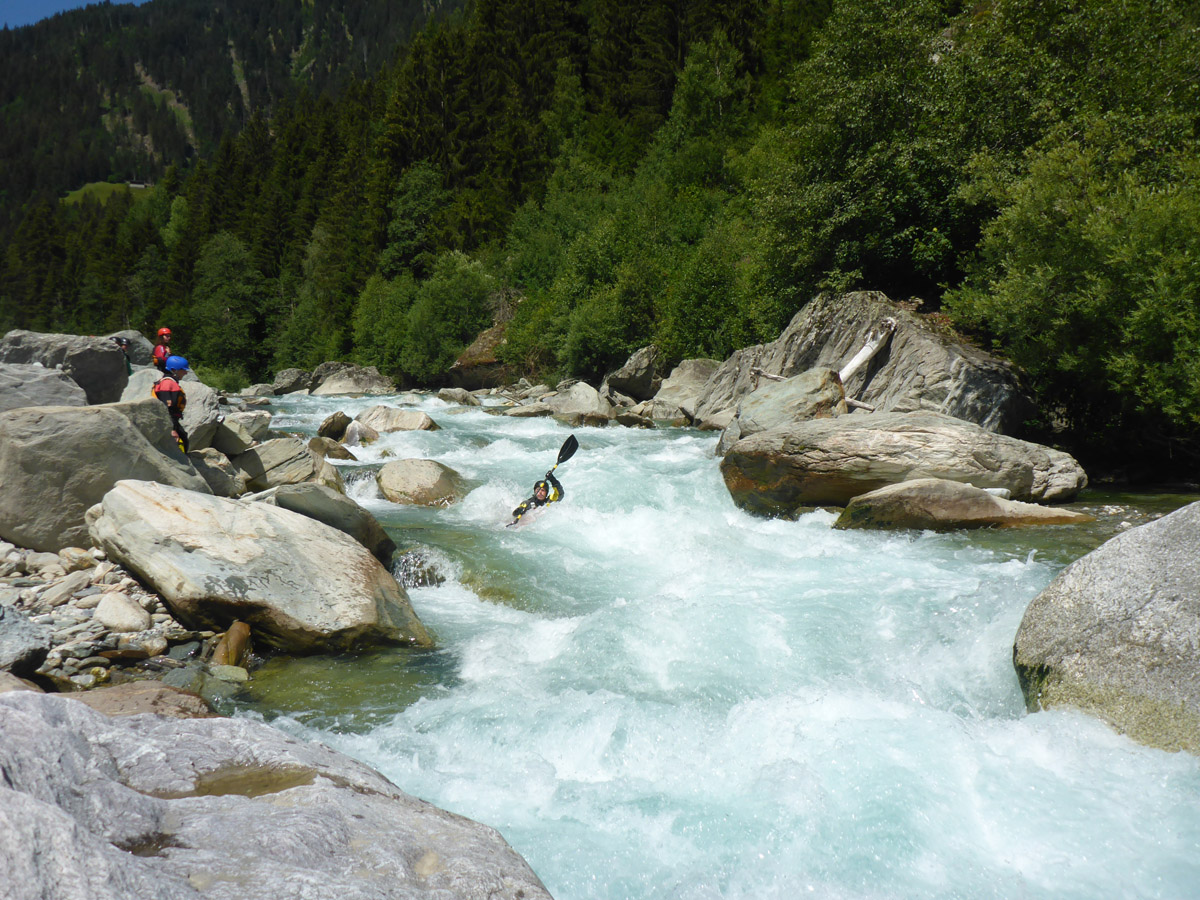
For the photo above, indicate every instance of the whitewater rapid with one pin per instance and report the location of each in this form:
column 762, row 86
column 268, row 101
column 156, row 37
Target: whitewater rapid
column 652, row 694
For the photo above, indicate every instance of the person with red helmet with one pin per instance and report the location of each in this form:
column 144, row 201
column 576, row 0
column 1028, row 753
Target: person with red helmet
column 162, row 349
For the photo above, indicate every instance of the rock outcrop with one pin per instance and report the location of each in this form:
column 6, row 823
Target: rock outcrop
column 285, row 461
column 830, row 461
column 301, row 585
column 57, row 461
column 479, row 366
column 814, row 394
column 107, row 808
column 344, row 378
column 638, row 378
column 683, row 387
column 95, row 364
column 918, row 369
column 24, row 385
column 1117, row 634
column 934, row 504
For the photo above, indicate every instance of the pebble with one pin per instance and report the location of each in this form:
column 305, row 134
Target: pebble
column 91, row 601
column 94, row 661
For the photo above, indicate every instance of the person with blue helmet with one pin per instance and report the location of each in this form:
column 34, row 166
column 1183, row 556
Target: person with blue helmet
column 170, row 391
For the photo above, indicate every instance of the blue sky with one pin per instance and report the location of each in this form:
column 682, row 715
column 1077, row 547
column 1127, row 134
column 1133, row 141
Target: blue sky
column 15, row 13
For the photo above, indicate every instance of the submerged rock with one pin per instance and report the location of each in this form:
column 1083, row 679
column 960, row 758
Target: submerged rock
column 1117, row 634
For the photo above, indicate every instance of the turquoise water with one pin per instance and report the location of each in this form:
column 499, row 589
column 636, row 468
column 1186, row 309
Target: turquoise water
column 654, row 695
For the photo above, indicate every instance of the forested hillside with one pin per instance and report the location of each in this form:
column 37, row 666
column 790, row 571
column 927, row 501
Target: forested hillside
column 608, row 174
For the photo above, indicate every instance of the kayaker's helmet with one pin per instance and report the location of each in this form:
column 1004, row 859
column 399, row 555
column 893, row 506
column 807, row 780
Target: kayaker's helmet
column 164, row 333
column 175, row 364
column 542, row 488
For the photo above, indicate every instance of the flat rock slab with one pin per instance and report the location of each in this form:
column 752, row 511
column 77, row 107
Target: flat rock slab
column 934, row 504
column 94, row 807
column 821, row 462
column 1117, row 634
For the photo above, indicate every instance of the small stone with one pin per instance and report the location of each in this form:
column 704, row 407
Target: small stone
column 63, row 590
column 120, row 614
column 93, row 661
column 159, row 618
column 86, row 680
column 235, row 674
column 91, row 601
column 76, row 559
column 184, row 651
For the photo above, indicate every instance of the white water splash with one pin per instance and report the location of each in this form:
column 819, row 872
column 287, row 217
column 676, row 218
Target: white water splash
column 655, row 695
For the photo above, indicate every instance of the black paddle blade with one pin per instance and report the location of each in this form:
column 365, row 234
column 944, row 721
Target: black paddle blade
column 570, row 445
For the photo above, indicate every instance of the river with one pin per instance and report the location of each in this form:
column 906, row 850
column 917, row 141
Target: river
column 654, row 695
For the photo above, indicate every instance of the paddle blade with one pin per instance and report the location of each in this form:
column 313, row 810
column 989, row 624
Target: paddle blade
column 570, row 445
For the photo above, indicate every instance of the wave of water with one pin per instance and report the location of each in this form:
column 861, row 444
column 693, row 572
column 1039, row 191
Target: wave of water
column 654, row 695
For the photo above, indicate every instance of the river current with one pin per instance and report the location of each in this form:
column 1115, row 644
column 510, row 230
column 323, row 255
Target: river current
column 654, row 695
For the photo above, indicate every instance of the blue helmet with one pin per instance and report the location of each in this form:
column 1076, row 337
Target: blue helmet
column 175, row 364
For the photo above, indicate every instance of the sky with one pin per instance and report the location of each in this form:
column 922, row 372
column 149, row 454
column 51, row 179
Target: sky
column 15, row 13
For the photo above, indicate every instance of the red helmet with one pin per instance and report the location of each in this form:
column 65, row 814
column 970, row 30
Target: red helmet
column 164, row 332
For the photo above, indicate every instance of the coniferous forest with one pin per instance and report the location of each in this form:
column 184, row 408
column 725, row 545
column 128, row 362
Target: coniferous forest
column 380, row 182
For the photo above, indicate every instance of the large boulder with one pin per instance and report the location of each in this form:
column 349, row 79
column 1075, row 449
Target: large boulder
column 291, row 380
column 343, row 378
column 421, row 482
column 1117, row 634
column 141, row 348
column 814, row 394
column 96, row 364
column 637, row 378
column 57, row 461
column 830, row 461
column 337, row 511
column 918, row 369
column 139, row 385
column 934, row 504
column 479, row 366
column 684, row 386
column 202, row 414
column 223, row 478
column 94, row 807
column 24, row 385
column 23, row 645
column 285, row 461
column 301, row 585
column 580, row 403
column 385, row 419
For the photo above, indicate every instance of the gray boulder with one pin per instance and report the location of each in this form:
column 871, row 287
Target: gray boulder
column 96, row 364
column 291, row 380
column 934, row 504
column 101, row 808
column 141, row 348
column 302, row 586
column 421, row 482
column 685, row 385
column 461, row 396
column 24, row 385
column 232, row 438
column 256, row 422
column 343, row 378
column 1117, row 634
column 334, row 426
column 55, row 462
column 337, row 511
column 285, row 461
column 385, row 419
column 919, row 369
column 223, row 478
column 580, row 400
column 637, row 378
column 529, row 411
column 814, row 394
column 830, row 461
column 202, row 414
column 139, row 385
column 23, row 645
column 328, row 447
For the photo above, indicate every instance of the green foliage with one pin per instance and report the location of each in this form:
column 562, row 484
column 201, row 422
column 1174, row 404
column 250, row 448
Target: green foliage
column 412, row 238
column 381, row 321
column 450, row 309
column 226, row 308
column 230, row 379
column 1089, row 278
